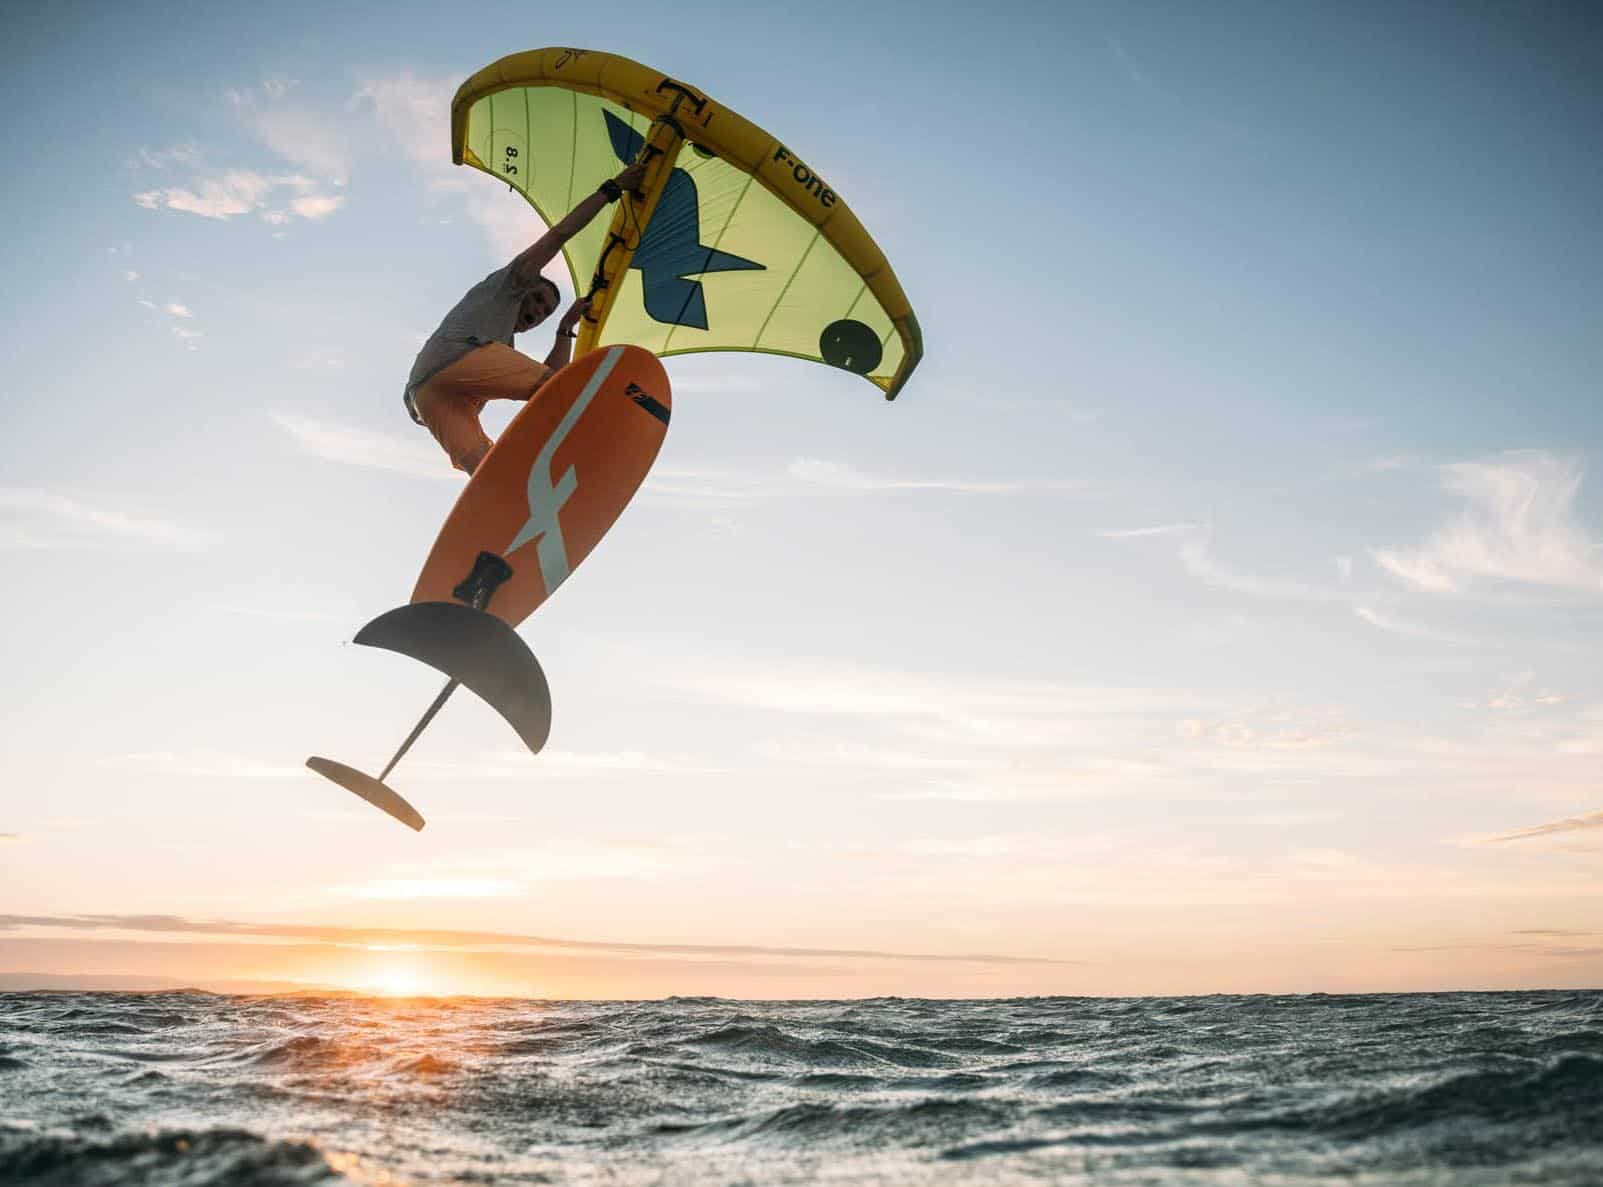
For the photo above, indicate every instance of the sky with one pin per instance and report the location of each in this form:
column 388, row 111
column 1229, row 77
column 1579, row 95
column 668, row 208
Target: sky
column 1216, row 610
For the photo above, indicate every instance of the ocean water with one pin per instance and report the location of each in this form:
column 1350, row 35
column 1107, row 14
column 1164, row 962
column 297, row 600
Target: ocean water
column 189, row 1089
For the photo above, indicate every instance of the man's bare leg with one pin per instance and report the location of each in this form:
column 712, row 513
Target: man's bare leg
column 469, row 461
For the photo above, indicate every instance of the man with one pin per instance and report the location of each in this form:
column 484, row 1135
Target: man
column 469, row 360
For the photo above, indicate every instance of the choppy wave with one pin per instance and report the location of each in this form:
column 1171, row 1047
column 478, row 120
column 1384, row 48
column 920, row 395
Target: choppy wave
column 192, row 1090
column 225, row 1157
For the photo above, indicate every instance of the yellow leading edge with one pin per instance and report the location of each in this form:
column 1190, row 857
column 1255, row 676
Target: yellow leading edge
column 734, row 243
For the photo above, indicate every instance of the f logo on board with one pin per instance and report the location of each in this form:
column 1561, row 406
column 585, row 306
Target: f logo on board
column 547, row 493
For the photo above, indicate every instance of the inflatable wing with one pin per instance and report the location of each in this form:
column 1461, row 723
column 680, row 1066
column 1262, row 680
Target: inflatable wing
column 735, row 242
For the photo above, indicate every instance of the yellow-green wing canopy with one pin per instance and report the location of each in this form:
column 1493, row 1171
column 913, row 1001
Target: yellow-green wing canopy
column 745, row 247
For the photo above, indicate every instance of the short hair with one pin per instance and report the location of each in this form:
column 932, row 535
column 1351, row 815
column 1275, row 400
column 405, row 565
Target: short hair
column 556, row 293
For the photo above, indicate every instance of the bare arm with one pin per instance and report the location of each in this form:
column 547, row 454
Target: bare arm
column 562, row 348
column 527, row 266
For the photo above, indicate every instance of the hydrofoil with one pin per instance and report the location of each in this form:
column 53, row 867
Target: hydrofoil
column 551, row 486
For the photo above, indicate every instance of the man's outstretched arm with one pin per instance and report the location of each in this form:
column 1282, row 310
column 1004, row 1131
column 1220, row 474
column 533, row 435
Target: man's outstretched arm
column 562, row 348
column 542, row 251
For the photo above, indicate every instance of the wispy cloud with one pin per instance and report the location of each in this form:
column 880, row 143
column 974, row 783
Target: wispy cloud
column 1523, row 948
column 1133, row 70
column 349, row 445
column 316, row 206
column 967, row 771
column 1519, row 526
column 1396, row 461
column 318, row 933
column 705, row 486
column 1162, row 529
column 421, row 888
column 577, row 858
column 1570, row 824
column 313, row 142
column 514, row 873
column 52, row 519
column 179, row 316
column 844, row 689
column 905, row 735
column 210, row 764
column 1192, row 107
column 1197, row 558
column 236, row 192
column 815, row 478
column 920, row 736
column 1200, row 563
column 1037, row 780
column 860, row 756
column 1278, row 731
column 167, row 158
column 307, row 139
column 239, row 192
column 68, row 824
column 1521, row 694
column 1387, row 622
column 504, row 764
column 835, row 476
column 1124, row 867
column 1512, row 701
column 557, row 764
column 416, row 113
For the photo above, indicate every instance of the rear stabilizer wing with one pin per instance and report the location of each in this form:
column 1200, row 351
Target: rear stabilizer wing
column 370, row 789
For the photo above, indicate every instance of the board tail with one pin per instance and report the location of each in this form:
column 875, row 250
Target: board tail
column 476, row 649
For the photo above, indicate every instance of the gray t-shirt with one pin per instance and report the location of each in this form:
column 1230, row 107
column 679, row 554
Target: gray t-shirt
column 488, row 313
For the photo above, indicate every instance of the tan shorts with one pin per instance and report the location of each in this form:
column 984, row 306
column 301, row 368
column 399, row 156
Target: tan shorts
column 449, row 403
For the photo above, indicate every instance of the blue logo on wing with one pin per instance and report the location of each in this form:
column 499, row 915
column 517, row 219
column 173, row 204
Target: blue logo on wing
column 671, row 249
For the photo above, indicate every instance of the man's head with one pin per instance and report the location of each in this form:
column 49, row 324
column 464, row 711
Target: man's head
column 539, row 303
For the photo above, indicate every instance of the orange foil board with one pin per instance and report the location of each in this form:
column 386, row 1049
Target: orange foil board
column 555, row 480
